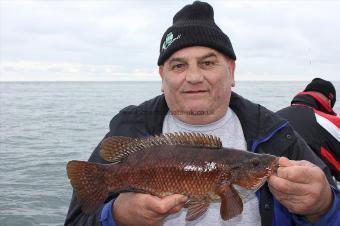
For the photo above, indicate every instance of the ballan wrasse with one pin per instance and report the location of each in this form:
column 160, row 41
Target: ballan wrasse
column 194, row 165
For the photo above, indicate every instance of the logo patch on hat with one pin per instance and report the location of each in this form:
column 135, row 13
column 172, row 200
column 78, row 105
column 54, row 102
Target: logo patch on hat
column 169, row 40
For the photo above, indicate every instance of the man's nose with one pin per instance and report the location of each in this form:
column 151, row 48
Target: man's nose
column 194, row 75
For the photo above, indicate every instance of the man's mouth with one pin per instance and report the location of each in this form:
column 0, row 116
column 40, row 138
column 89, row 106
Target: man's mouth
column 195, row 91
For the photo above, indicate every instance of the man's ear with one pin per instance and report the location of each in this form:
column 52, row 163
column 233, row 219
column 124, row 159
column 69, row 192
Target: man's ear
column 232, row 72
column 160, row 71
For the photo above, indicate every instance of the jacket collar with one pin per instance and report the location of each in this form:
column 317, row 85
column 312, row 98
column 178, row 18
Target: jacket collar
column 258, row 123
column 312, row 100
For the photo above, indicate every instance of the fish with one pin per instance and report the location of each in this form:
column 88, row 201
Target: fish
column 192, row 164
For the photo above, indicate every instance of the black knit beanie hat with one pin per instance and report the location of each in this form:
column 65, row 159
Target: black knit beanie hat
column 194, row 25
column 324, row 87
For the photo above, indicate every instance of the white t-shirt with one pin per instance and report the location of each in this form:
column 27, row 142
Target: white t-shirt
column 229, row 129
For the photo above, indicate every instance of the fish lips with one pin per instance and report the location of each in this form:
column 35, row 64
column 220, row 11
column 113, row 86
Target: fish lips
column 255, row 179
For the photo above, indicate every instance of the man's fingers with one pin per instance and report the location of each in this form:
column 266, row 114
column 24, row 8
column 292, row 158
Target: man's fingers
column 165, row 204
column 305, row 163
column 294, row 173
column 287, row 187
column 283, row 161
column 299, row 173
column 176, row 208
column 174, row 201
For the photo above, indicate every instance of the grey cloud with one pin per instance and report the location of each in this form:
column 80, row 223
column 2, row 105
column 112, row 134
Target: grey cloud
column 285, row 37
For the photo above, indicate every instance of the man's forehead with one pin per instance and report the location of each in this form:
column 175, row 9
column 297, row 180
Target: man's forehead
column 196, row 52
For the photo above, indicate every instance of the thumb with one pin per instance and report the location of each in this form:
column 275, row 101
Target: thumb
column 165, row 204
column 174, row 200
column 283, row 161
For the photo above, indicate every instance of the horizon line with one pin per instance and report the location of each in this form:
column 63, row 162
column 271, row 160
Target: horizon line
column 147, row 80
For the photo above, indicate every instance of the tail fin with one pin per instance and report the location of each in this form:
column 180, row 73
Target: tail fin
column 89, row 184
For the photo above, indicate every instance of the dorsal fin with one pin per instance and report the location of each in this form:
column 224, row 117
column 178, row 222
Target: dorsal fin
column 113, row 149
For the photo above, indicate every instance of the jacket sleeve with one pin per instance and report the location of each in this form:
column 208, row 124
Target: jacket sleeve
column 331, row 218
column 76, row 217
column 302, row 151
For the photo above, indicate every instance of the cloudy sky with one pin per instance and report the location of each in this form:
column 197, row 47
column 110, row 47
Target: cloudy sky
column 107, row 40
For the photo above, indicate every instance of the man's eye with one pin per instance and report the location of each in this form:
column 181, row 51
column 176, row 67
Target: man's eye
column 208, row 63
column 178, row 66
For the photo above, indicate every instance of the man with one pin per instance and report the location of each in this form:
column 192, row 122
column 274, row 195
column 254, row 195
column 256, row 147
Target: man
column 197, row 64
column 312, row 116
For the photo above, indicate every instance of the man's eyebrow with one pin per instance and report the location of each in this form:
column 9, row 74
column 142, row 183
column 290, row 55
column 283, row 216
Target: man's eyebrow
column 176, row 59
column 207, row 56
column 180, row 59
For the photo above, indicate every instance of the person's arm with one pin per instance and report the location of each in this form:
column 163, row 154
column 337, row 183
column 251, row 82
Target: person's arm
column 303, row 189
column 331, row 218
column 75, row 215
column 106, row 217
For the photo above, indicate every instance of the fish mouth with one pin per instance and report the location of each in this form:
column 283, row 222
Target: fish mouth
column 269, row 171
column 261, row 181
column 258, row 185
column 274, row 166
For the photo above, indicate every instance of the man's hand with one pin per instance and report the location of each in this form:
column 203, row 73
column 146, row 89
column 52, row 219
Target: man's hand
column 144, row 209
column 302, row 188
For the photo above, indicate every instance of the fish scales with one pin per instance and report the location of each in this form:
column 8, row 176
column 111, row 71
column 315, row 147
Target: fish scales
column 172, row 164
column 170, row 169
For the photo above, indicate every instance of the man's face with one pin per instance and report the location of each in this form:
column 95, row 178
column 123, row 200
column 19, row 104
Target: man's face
column 197, row 84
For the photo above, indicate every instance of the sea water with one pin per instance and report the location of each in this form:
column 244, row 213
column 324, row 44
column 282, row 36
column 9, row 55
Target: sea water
column 43, row 125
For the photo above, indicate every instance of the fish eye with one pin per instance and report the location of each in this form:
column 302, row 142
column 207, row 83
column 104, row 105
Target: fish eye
column 255, row 161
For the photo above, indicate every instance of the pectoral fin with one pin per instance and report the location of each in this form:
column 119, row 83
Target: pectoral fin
column 231, row 203
column 196, row 208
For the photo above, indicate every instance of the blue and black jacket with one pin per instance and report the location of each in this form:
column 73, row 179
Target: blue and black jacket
column 264, row 133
